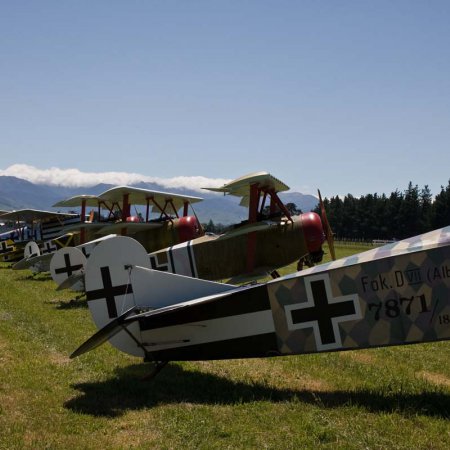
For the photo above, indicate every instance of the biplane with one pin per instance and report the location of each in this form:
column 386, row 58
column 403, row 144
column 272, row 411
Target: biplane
column 7, row 236
column 270, row 238
column 392, row 295
column 36, row 233
column 165, row 221
column 12, row 238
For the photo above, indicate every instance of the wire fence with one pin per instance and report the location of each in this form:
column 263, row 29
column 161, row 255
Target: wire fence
column 362, row 242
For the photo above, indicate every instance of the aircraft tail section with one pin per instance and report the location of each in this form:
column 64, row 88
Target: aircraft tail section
column 67, row 265
column 118, row 277
column 105, row 333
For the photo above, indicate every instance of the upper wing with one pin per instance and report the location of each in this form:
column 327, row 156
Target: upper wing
column 77, row 200
column 30, row 215
column 138, row 196
column 241, row 186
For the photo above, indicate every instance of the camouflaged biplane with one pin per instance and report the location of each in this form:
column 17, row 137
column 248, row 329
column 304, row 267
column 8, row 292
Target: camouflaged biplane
column 393, row 295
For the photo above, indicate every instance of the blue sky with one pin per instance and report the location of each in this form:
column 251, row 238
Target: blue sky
column 345, row 96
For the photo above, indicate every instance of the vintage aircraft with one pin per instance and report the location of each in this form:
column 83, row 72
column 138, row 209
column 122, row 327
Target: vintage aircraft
column 7, row 236
column 36, row 232
column 166, row 227
column 392, row 295
column 8, row 251
column 12, row 239
column 152, row 232
column 264, row 242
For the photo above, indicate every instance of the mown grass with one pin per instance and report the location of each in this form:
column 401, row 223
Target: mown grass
column 396, row 397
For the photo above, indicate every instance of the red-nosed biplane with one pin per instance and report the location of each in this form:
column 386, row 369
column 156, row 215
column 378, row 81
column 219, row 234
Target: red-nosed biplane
column 392, row 295
column 165, row 221
column 269, row 239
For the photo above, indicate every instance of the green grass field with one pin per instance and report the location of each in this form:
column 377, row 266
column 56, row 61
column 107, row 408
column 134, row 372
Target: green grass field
column 396, row 397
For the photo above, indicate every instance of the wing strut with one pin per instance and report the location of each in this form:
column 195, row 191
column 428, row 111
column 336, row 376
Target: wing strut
column 327, row 228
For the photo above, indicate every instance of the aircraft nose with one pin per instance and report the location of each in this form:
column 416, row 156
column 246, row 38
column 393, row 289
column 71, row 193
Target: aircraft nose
column 313, row 231
column 188, row 228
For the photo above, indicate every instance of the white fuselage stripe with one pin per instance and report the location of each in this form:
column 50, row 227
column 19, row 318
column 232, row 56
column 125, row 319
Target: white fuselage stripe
column 224, row 328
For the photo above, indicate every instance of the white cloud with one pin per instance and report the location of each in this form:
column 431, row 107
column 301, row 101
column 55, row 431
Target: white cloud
column 75, row 178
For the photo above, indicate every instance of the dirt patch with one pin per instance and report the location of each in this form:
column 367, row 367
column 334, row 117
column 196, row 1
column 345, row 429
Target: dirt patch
column 5, row 355
column 58, row 358
column 435, row 378
column 359, row 356
column 315, row 384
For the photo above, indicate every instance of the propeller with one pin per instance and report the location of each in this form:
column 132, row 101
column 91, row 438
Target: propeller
column 327, row 228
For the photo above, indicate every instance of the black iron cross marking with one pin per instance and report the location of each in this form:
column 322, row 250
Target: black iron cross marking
column 109, row 292
column 155, row 266
column 180, row 260
column 5, row 247
column 68, row 268
column 323, row 312
column 49, row 247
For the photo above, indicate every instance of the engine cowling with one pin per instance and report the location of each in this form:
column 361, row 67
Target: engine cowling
column 314, row 234
column 188, row 228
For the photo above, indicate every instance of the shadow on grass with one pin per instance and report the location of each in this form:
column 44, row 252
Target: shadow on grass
column 113, row 397
column 44, row 276
column 73, row 303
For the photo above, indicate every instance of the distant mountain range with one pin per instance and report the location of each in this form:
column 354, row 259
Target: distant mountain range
column 16, row 193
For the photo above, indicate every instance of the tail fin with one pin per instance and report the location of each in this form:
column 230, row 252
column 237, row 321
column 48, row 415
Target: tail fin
column 118, row 277
column 31, row 250
column 65, row 263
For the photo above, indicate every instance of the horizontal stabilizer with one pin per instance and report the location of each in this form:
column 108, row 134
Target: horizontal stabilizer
column 26, row 263
column 102, row 335
column 166, row 310
column 156, row 289
column 70, row 281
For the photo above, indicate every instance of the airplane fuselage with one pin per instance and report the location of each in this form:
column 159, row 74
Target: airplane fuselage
column 330, row 307
column 222, row 257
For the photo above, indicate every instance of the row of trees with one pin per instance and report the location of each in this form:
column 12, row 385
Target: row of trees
column 397, row 216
